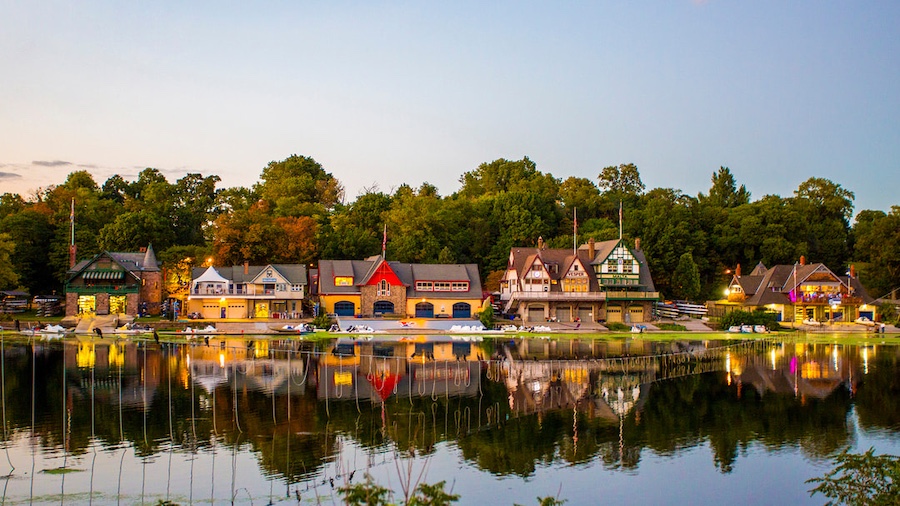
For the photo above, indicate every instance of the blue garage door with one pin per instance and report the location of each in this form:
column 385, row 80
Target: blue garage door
column 424, row 310
column 383, row 307
column 462, row 310
column 344, row 308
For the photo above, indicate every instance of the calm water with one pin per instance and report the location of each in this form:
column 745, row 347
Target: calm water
column 617, row 421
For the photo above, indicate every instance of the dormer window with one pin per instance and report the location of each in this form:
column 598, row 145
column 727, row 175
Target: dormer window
column 384, row 288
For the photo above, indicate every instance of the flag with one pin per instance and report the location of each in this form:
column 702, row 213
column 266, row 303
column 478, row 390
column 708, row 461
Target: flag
column 72, row 212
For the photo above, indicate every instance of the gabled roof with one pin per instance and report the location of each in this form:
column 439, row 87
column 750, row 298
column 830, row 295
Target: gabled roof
column 130, row 262
column 774, row 285
column 295, row 274
column 362, row 271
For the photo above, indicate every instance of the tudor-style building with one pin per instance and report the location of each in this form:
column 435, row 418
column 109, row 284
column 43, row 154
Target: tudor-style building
column 115, row 283
column 605, row 281
column 377, row 287
column 248, row 291
column 802, row 292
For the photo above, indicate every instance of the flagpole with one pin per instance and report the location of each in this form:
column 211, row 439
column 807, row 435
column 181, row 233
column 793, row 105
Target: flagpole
column 620, row 220
column 384, row 242
column 575, row 231
column 72, row 227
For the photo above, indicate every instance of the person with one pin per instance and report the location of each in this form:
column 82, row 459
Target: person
column 18, row 328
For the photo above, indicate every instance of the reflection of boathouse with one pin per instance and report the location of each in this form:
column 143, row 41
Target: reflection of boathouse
column 419, row 366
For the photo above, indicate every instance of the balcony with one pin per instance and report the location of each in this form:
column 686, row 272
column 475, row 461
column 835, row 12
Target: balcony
column 631, row 295
column 553, row 296
column 250, row 294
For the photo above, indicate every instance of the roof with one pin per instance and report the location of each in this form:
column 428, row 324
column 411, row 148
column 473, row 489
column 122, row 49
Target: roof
column 132, row 262
column 408, row 274
column 521, row 260
column 293, row 273
column 773, row 285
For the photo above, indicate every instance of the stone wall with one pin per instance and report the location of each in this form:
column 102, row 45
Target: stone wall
column 368, row 296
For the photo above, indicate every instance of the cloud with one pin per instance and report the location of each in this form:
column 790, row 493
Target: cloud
column 54, row 163
column 9, row 175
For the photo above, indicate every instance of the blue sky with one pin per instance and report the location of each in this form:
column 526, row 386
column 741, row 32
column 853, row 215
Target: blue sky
column 385, row 93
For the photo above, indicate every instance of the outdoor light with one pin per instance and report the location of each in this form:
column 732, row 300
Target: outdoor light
column 727, row 292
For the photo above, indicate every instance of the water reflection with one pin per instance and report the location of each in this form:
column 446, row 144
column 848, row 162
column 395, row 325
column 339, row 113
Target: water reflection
column 234, row 419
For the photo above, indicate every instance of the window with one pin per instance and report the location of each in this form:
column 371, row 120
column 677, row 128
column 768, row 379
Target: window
column 343, row 281
column 424, row 286
column 441, row 286
column 296, row 288
column 460, row 286
column 281, row 287
column 384, row 288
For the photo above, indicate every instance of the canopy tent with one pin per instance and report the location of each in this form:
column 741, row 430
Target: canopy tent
column 211, row 275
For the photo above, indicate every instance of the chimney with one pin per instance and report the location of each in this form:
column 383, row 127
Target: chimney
column 637, row 244
column 802, row 260
column 540, row 243
column 592, row 251
column 737, row 270
column 852, row 271
column 246, row 268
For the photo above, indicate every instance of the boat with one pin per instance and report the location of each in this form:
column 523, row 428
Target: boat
column 303, row 328
column 760, row 329
column 862, row 320
column 734, row 329
column 638, row 329
column 132, row 329
column 811, row 322
column 208, row 330
column 746, row 329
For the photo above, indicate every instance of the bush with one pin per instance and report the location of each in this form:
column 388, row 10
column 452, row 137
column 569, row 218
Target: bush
column 758, row 317
column 322, row 321
column 617, row 326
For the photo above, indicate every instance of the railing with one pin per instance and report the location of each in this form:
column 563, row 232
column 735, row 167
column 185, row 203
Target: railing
column 554, row 296
column 223, row 292
column 828, row 299
column 91, row 289
column 631, row 295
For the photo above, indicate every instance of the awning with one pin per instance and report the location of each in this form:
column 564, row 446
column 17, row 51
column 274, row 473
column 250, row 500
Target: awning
column 103, row 275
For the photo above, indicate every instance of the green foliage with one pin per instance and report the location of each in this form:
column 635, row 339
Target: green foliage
column 486, row 316
column 370, row 493
column 888, row 312
column 8, row 276
column 686, row 279
column 757, row 317
column 367, row 493
column 861, row 479
column 432, row 495
column 617, row 326
column 322, row 321
column 672, row 327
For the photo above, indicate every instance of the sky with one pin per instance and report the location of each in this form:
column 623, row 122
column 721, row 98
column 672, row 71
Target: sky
column 387, row 93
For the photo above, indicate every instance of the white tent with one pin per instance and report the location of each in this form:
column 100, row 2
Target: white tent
column 211, row 275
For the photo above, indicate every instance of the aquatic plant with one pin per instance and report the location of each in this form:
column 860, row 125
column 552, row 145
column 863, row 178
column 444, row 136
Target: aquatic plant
column 865, row 479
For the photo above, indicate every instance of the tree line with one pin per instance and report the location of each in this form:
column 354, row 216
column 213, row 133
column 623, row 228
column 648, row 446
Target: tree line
column 297, row 213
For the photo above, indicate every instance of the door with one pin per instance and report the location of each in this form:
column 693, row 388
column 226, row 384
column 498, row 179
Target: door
column 424, row 310
column 614, row 314
column 462, row 310
column 344, row 308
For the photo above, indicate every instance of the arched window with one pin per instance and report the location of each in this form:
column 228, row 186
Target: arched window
column 384, row 288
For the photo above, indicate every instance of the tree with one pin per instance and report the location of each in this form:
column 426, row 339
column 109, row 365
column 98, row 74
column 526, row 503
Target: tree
column 298, row 186
column 503, row 175
column 8, row 277
column 686, row 278
column 724, row 192
column 861, row 479
column 131, row 231
column 826, row 208
column 622, row 180
column 878, row 247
